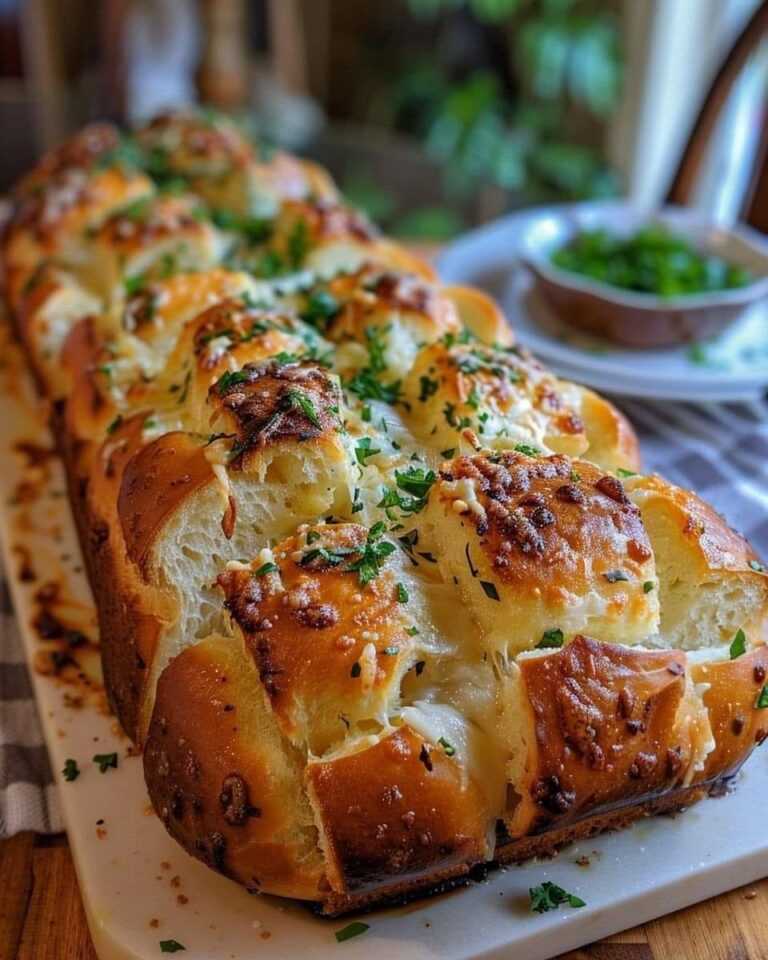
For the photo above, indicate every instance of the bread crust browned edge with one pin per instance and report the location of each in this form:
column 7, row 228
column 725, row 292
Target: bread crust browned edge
column 545, row 845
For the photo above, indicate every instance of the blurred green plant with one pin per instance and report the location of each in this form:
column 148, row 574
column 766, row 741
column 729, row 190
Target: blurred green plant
column 527, row 125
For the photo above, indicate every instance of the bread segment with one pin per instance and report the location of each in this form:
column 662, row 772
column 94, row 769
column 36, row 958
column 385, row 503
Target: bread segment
column 380, row 597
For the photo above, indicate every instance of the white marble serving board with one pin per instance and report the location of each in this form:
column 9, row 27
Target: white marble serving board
column 140, row 888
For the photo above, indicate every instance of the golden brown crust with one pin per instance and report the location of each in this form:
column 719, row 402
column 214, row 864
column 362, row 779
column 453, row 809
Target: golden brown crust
column 612, row 439
column 604, row 720
column 155, row 481
column 370, row 295
column 268, row 403
column 481, row 315
column 557, row 540
column 738, row 725
column 712, row 543
column 328, row 649
column 219, row 780
column 395, row 814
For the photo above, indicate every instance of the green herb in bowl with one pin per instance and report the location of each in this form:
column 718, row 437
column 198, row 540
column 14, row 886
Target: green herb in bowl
column 652, row 260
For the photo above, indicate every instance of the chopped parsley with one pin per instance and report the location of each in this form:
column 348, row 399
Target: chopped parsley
column 401, row 593
column 614, row 576
column 300, row 401
column 357, row 503
column 374, row 554
column 364, row 450
column 298, row 243
column 551, row 638
column 490, row 590
column 254, row 229
column 648, row 586
column 321, row 308
column 738, row 644
column 762, row 701
column 448, row 454
column 229, row 379
column 71, row 770
column 548, row 896
column 621, row 472
column 353, row 929
column 133, row 285
column 528, row 449
column 266, row 568
column 473, row 400
column 105, row 761
column 367, row 384
column 459, row 423
column 136, row 210
column 427, row 387
column 171, row 946
column 451, row 339
column 184, row 388
column 115, row 425
column 270, row 265
column 416, row 480
column 447, row 746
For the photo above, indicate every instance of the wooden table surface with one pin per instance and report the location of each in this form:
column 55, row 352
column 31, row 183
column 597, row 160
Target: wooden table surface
column 41, row 916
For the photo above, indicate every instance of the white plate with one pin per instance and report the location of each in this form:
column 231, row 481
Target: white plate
column 734, row 367
column 131, row 873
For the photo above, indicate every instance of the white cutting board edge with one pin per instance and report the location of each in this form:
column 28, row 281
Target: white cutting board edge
column 658, row 866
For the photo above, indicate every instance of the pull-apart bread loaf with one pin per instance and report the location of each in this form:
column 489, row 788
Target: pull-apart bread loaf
column 381, row 598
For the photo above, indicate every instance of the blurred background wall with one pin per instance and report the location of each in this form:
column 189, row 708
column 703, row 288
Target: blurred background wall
column 432, row 114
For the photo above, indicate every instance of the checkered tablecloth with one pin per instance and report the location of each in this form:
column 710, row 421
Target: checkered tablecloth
column 720, row 451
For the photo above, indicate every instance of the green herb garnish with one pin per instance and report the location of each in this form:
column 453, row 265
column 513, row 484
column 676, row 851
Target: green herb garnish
column 115, row 424
column 528, row 449
column 652, row 260
column 300, row 401
column 427, row 387
column 71, row 770
column 229, row 379
column 351, row 930
column 401, row 593
column 321, row 308
column 374, row 554
column 548, row 896
column 551, row 638
column 490, row 590
column 105, row 761
column 738, row 644
column 364, row 450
